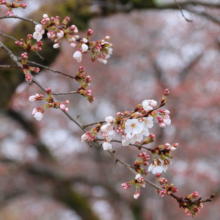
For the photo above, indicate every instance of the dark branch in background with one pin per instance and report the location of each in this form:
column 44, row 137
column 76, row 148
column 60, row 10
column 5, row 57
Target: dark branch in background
column 182, row 12
column 182, row 75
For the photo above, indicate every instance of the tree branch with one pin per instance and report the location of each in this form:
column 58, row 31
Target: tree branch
column 48, row 68
column 21, row 18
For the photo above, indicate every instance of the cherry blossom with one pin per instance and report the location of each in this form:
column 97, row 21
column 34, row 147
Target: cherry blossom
column 78, row 56
column 157, row 166
column 106, row 146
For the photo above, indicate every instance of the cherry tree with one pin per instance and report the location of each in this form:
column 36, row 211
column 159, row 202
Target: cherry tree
column 131, row 127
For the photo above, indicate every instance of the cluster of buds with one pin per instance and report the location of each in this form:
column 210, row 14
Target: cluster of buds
column 15, row 4
column 161, row 164
column 84, row 80
column 167, row 189
column 28, row 46
column 165, row 95
column 131, row 125
column 191, row 204
column 56, row 31
column 26, row 68
column 91, row 134
column 163, row 117
column 141, row 159
column 138, row 181
column 101, row 48
column 39, row 111
column 149, row 139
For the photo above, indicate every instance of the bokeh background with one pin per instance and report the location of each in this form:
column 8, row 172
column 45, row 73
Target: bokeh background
column 46, row 173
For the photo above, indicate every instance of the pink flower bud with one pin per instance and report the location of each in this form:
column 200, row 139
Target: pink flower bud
column 48, row 90
column 63, row 107
column 36, row 69
column 89, row 32
column 28, row 77
column 24, row 56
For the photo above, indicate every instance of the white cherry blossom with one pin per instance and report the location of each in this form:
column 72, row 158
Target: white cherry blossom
column 38, row 116
column 146, row 105
column 154, row 168
column 106, row 146
column 132, row 127
column 84, row 47
column 37, row 36
column 109, row 119
column 78, row 56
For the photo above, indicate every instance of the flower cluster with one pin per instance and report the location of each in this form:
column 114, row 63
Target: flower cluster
column 167, row 189
column 84, row 80
column 28, row 46
column 161, row 164
column 141, row 159
column 15, row 4
column 57, row 31
column 90, row 135
column 39, row 111
column 138, row 181
column 192, row 204
column 26, row 68
column 132, row 126
column 101, row 49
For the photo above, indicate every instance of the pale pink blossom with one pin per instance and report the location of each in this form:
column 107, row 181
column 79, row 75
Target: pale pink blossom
column 84, row 47
column 137, row 176
column 60, row 34
column 109, row 119
column 84, row 40
column 55, row 46
column 106, row 146
column 38, row 116
column 37, row 36
column 78, row 56
column 132, row 127
column 146, row 105
column 157, row 166
column 84, row 137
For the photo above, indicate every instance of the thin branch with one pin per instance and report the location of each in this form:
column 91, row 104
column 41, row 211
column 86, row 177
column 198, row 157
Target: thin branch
column 5, row 35
column 186, row 3
column 206, row 15
column 11, row 55
column 10, row 66
column 94, row 123
column 135, row 145
column 21, row 18
column 182, row 12
column 65, row 93
column 52, row 70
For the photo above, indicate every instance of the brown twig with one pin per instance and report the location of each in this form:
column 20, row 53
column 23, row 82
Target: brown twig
column 21, row 18
column 10, row 66
column 135, row 145
column 65, row 93
column 52, row 70
column 94, row 123
column 182, row 12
